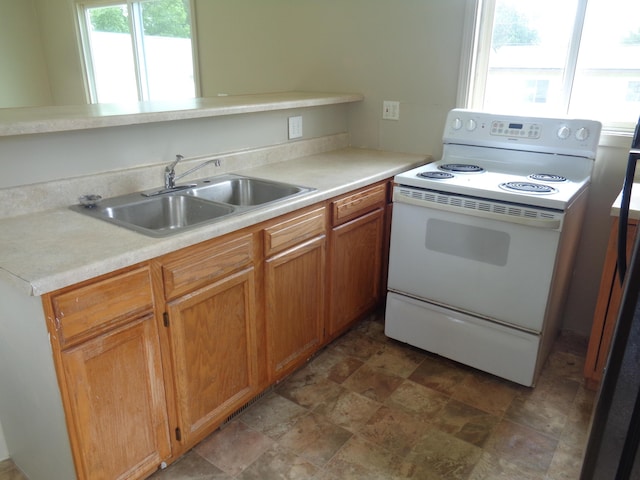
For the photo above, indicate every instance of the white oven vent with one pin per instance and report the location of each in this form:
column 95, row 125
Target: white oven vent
column 478, row 204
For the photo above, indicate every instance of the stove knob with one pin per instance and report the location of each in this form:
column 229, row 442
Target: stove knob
column 456, row 124
column 471, row 125
column 582, row 133
column 564, row 132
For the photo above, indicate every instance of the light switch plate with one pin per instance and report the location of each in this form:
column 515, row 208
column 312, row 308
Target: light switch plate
column 295, row 127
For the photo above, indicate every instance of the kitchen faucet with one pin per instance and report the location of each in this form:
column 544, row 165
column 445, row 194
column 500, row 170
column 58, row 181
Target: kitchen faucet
column 170, row 176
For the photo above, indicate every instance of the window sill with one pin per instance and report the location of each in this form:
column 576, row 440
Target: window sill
column 609, row 138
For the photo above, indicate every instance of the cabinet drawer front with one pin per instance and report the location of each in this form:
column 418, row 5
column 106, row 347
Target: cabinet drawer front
column 206, row 264
column 294, row 230
column 359, row 203
column 103, row 304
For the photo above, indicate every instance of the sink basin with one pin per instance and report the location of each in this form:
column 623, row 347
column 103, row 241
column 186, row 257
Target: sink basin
column 157, row 216
column 160, row 213
column 244, row 191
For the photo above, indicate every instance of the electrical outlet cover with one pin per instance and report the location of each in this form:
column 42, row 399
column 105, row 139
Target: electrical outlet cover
column 295, row 127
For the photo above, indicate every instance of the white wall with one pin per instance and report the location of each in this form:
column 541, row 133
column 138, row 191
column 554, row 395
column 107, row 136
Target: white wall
column 407, row 51
column 23, row 74
column 606, row 182
column 4, row 453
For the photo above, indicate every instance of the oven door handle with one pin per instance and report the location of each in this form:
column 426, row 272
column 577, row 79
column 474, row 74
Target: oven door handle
column 551, row 223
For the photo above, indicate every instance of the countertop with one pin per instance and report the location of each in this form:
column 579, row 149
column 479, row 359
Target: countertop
column 634, row 205
column 48, row 250
column 28, row 120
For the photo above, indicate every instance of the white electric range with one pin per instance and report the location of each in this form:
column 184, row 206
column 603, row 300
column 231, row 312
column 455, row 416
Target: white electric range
column 483, row 240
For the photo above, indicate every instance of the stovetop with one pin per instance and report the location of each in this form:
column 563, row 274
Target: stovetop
column 547, row 161
column 491, row 185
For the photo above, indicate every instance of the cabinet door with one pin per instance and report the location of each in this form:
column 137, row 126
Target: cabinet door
column 356, row 269
column 118, row 412
column 294, row 289
column 213, row 338
column 605, row 315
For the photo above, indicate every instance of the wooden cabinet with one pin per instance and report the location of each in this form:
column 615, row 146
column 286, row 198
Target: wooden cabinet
column 210, row 320
column 294, row 283
column 356, row 255
column 607, row 307
column 105, row 341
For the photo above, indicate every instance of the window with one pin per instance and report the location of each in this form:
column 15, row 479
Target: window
column 137, row 50
column 571, row 57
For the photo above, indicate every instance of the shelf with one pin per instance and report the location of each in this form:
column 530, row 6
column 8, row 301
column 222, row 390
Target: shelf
column 31, row 120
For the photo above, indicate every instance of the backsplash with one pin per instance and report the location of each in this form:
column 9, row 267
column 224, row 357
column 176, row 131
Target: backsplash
column 36, row 197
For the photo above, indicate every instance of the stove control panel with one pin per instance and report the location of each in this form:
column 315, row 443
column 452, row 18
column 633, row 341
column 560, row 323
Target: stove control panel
column 515, row 129
column 537, row 134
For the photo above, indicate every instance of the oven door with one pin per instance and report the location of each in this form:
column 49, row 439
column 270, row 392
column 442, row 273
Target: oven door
column 481, row 265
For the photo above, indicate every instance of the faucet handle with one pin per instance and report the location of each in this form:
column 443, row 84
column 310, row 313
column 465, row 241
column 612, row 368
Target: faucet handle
column 173, row 164
column 170, row 174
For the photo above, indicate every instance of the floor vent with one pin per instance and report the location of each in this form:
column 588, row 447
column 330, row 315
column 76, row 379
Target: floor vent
column 242, row 409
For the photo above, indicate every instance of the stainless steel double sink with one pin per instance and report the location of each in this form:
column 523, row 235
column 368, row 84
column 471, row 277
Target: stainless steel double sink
column 167, row 212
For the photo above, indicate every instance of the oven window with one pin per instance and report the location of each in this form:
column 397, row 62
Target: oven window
column 466, row 241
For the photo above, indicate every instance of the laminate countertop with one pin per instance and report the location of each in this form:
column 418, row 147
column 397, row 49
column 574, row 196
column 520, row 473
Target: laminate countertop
column 634, row 205
column 47, row 250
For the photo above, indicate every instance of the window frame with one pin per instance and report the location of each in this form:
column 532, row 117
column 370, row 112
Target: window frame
column 474, row 64
column 135, row 23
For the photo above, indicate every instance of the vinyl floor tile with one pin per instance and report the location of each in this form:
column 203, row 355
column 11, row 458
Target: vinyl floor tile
column 439, row 374
column 315, row 438
column 8, row 471
column 418, row 400
column 234, row 448
column 395, row 361
column 486, row 392
column 443, row 454
column 360, row 459
column 191, row 466
column 274, row 415
column 465, row 422
column 308, row 389
column 279, row 463
column 522, row 446
column 348, row 410
column 394, row 429
column 373, row 383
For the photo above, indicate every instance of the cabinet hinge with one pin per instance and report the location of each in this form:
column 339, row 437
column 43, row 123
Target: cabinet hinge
column 178, row 434
column 165, row 319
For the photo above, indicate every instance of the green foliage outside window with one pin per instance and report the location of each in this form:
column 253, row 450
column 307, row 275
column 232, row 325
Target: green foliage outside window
column 512, row 28
column 165, row 18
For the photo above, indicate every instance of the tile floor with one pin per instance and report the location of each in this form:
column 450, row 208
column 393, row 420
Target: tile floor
column 368, row 407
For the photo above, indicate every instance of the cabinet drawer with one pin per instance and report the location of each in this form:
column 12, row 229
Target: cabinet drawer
column 359, row 203
column 96, row 307
column 294, row 230
column 205, row 263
